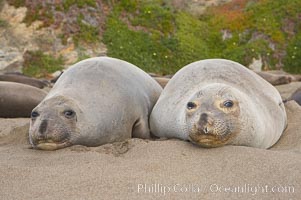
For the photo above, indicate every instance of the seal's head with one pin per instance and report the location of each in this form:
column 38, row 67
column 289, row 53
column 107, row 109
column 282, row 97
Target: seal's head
column 54, row 124
column 213, row 115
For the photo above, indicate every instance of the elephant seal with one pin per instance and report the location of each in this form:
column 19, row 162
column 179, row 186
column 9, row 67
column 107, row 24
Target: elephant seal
column 162, row 81
column 20, row 78
column 96, row 101
column 276, row 79
column 216, row 102
column 296, row 96
column 17, row 100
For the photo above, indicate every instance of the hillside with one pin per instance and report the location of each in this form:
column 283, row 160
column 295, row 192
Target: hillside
column 159, row 36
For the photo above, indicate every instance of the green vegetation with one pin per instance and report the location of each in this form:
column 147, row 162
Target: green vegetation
column 38, row 64
column 65, row 3
column 44, row 14
column 34, row 12
column 157, row 38
column 17, row 3
column 81, row 54
column 145, row 38
column 3, row 23
column 79, row 3
column 154, row 17
column 262, row 26
column 138, row 47
column 1, row 4
column 292, row 61
column 154, row 37
column 81, row 31
column 193, row 40
column 86, row 33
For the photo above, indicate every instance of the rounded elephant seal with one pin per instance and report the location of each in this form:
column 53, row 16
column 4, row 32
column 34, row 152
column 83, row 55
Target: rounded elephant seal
column 96, row 101
column 17, row 100
column 216, row 102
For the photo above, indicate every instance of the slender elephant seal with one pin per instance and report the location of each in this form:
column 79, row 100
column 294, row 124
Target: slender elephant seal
column 296, row 96
column 20, row 78
column 96, row 101
column 276, row 79
column 17, row 100
column 216, row 102
column 162, row 81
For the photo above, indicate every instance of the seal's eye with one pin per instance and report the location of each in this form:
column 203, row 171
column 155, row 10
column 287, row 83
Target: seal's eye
column 228, row 103
column 34, row 114
column 191, row 105
column 69, row 114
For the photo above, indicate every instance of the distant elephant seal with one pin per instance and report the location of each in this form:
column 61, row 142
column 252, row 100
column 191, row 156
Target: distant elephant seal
column 216, row 102
column 296, row 96
column 276, row 79
column 96, row 101
column 17, row 100
column 20, row 78
column 162, row 81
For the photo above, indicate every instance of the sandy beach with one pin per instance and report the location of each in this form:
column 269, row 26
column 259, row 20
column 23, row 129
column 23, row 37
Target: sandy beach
column 146, row 169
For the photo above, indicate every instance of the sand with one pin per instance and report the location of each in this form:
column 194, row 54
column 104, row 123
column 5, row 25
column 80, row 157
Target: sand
column 145, row 169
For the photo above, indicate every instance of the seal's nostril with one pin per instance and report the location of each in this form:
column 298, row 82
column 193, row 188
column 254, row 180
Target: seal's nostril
column 43, row 127
column 205, row 123
column 203, row 119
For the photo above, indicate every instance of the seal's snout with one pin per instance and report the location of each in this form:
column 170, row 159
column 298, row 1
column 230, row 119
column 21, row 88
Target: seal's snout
column 41, row 131
column 205, row 123
column 203, row 119
column 48, row 134
column 43, row 127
